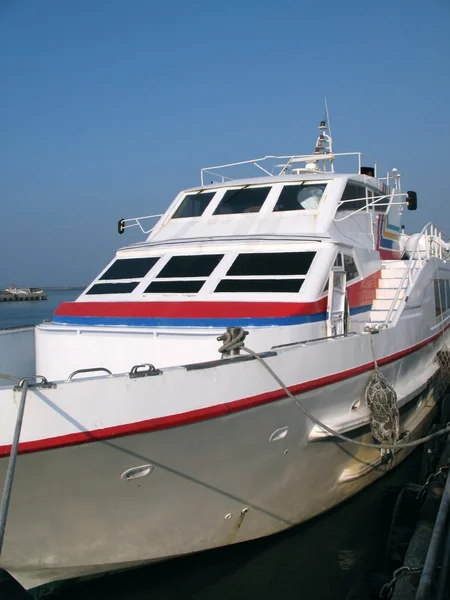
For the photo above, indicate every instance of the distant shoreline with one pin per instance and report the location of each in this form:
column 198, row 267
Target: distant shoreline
column 63, row 288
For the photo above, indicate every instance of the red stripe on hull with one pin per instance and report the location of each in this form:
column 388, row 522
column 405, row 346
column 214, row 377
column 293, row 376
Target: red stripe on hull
column 192, row 309
column 202, row 414
column 360, row 293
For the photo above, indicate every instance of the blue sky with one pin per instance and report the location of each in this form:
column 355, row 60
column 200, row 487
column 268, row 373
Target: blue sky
column 109, row 107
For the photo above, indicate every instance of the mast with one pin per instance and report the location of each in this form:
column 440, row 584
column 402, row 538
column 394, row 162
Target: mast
column 324, row 143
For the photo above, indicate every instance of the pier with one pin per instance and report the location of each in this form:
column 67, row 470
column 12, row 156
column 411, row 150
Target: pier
column 417, row 559
column 25, row 295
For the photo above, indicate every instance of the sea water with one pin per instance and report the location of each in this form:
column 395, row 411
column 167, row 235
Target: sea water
column 32, row 312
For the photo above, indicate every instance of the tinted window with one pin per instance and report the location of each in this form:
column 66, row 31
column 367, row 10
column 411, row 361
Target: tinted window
column 193, row 205
column 350, row 267
column 259, row 285
column 130, row 268
column 282, row 263
column 383, row 200
column 356, row 192
column 112, row 288
column 438, row 296
column 174, row 287
column 242, row 200
column 441, row 295
column 190, row 266
column 300, row 197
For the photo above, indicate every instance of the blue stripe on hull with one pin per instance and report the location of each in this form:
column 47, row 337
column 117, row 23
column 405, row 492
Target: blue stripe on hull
column 183, row 322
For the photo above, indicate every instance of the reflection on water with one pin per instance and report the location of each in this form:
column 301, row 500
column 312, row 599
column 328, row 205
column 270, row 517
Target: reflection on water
column 319, row 560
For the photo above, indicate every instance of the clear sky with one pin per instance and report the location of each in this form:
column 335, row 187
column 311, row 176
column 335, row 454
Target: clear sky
column 109, row 107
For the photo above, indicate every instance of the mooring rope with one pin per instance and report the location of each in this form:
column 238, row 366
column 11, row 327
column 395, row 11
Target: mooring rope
column 234, row 340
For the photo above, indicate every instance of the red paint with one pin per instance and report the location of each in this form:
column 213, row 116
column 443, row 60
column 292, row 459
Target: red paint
column 202, row 414
column 389, row 254
column 362, row 293
column 194, row 309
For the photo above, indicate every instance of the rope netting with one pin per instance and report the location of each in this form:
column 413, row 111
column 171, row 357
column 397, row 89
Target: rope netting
column 381, row 400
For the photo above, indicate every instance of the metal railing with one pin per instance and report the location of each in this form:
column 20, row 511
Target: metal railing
column 375, row 201
column 136, row 222
column 431, row 241
column 289, row 161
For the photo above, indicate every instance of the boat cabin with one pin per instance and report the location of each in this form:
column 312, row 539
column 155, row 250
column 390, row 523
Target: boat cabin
column 292, row 255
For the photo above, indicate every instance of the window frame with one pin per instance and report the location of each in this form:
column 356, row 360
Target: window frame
column 227, row 276
column 345, row 205
column 199, row 192
column 238, row 188
column 203, row 279
column 305, row 183
column 103, row 276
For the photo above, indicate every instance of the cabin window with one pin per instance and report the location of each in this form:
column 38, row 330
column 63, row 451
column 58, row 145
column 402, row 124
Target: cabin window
column 112, row 288
column 441, row 295
column 242, row 200
column 174, row 287
column 190, row 266
column 350, row 267
column 354, row 197
column 282, row 272
column 193, row 205
column 130, row 268
column 300, row 197
column 383, row 200
column 259, row 285
column 272, row 263
column 184, row 274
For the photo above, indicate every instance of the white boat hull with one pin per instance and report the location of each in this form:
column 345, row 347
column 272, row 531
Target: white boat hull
column 217, row 481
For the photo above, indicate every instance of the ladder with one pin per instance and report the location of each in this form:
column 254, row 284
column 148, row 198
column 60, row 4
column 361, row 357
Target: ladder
column 391, row 278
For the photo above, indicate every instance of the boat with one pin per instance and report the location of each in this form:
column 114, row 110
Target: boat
column 16, row 291
column 275, row 344
column 27, row 291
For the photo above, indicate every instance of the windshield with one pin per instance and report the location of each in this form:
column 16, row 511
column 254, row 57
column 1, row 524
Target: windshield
column 300, row 197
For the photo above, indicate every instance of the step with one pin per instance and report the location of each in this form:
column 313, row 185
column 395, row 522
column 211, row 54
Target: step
column 378, row 316
column 386, row 283
column 389, row 293
column 394, row 264
column 389, row 273
column 385, row 304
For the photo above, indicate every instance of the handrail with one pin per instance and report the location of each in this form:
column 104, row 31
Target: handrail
column 11, row 469
column 373, row 203
column 432, row 248
column 123, row 226
column 290, row 160
column 90, row 370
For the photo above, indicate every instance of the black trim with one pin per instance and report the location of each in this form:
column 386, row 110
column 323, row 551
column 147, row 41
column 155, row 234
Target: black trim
column 174, row 287
column 112, row 288
column 129, row 268
column 259, row 285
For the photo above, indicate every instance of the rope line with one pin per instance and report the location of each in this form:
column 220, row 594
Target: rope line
column 344, row 438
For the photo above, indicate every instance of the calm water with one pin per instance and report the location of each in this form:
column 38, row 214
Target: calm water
column 32, row 313
column 319, row 560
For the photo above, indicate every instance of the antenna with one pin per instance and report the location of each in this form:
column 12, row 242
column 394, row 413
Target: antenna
column 327, row 117
column 324, row 143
